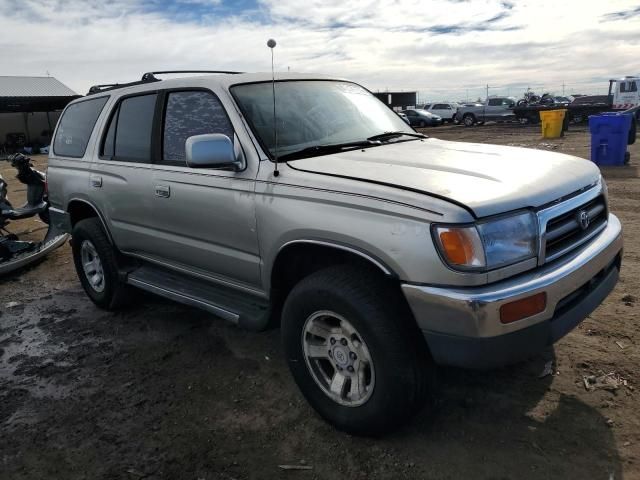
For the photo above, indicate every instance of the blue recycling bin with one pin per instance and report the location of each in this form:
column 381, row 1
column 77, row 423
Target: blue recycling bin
column 609, row 136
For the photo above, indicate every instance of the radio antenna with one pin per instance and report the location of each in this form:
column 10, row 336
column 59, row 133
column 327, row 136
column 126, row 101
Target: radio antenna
column 271, row 43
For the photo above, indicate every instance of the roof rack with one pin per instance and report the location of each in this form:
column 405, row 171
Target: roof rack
column 148, row 78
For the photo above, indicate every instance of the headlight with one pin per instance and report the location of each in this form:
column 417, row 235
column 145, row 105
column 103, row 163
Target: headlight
column 489, row 245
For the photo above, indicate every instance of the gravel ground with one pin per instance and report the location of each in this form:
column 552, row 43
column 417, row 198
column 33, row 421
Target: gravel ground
column 167, row 391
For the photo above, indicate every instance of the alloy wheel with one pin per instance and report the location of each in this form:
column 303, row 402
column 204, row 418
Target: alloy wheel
column 92, row 266
column 338, row 359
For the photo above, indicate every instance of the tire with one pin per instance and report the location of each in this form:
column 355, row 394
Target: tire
column 422, row 124
column 90, row 241
column 469, row 119
column 400, row 368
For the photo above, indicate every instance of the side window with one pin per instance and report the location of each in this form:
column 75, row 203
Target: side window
column 76, row 126
column 191, row 113
column 634, row 87
column 495, row 102
column 128, row 136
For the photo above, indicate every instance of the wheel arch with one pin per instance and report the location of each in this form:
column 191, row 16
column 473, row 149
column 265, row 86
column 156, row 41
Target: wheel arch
column 297, row 259
column 80, row 209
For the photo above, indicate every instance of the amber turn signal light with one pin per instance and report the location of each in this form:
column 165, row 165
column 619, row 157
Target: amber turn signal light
column 462, row 246
column 523, row 308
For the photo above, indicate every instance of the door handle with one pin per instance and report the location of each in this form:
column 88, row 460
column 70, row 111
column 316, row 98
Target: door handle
column 163, row 191
column 96, row 181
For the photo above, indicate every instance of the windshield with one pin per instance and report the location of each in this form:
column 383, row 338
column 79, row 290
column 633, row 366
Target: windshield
column 315, row 113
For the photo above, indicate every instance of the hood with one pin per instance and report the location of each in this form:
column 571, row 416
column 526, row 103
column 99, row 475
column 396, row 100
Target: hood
column 487, row 179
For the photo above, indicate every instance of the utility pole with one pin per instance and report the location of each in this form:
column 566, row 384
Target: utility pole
column 487, row 97
column 563, row 88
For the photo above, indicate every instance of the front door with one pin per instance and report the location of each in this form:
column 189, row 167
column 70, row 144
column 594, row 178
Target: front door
column 204, row 219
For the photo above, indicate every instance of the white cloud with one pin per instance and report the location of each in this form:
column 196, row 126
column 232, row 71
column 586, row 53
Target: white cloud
column 380, row 43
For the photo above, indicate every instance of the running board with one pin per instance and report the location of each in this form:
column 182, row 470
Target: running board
column 245, row 310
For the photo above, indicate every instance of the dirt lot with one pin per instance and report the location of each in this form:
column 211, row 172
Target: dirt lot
column 166, row 391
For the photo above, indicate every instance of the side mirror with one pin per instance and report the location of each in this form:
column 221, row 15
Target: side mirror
column 212, row 150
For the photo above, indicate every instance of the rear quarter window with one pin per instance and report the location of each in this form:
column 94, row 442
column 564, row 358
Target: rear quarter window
column 75, row 127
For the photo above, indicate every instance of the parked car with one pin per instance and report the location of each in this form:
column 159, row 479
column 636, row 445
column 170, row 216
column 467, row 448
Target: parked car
column 498, row 109
column 404, row 117
column 445, row 110
column 422, row 118
column 380, row 252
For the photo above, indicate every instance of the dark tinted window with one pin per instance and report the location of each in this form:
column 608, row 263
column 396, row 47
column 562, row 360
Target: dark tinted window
column 495, row 102
column 187, row 114
column 441, row 106
column 76, row 126
column 133, row 128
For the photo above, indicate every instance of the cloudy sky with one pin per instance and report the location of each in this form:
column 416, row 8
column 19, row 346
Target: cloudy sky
column 442, row 48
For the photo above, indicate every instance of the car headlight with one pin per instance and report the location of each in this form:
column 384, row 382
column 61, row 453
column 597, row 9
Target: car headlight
column 489, row 244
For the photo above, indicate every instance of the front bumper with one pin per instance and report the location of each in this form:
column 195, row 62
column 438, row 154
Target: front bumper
column 462, row 325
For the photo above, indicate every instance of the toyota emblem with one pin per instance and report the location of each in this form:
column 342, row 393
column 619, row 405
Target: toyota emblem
column 583, row 219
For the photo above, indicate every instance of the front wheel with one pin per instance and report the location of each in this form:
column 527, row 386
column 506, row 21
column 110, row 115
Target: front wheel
column 354, row 350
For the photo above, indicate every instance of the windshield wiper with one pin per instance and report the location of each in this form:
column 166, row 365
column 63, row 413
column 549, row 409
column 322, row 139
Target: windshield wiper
column 328, row 148
column 386, row 135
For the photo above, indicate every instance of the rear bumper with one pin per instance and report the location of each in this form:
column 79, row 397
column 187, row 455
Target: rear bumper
column 462, row 325
column 59, row 220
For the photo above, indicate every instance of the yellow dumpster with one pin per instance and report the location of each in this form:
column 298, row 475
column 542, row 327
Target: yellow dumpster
column 552, row 121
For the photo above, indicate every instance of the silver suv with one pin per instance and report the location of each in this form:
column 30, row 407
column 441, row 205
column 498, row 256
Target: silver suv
column 380, row 252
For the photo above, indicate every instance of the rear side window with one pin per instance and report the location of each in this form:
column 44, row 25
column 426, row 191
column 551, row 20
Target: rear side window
column 76, row 126
column 191, row 113
column 441, row 106
column 128, row 136
column 494, row 102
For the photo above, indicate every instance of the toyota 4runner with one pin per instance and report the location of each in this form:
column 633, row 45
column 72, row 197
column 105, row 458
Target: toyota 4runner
column 380, row 252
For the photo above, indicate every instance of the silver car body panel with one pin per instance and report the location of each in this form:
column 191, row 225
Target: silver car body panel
column 488, row 179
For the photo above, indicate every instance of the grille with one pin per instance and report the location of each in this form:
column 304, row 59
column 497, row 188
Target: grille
column 565, row 232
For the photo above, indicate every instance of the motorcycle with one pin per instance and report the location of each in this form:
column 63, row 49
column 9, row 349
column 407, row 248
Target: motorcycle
column 16, row 253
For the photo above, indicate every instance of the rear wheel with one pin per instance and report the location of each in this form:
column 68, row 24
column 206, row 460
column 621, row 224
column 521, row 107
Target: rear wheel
column 422, row 124
column 469, row 119
column 95, row 261
column 355, row 351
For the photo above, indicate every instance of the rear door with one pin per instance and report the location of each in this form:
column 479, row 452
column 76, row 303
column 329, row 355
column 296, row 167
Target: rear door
column 120, row 180
column 204, row 219
column 444, row 110
column 493, row 109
